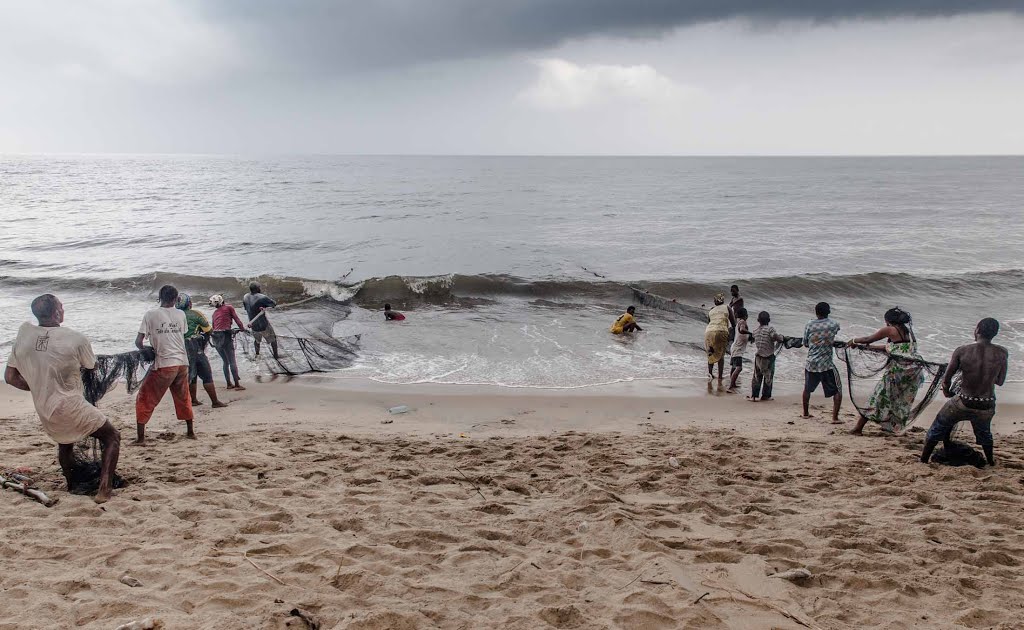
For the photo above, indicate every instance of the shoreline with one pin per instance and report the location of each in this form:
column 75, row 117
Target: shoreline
column 360, row 407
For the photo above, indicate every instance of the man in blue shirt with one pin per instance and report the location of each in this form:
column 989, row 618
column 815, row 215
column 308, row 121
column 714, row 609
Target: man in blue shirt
column 819, row 335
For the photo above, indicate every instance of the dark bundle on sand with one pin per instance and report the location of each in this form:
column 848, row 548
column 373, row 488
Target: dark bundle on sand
column 85, row 472
column 959, row 454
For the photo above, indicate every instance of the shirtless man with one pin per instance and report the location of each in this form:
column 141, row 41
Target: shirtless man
column 982, row 366
column 47, row 360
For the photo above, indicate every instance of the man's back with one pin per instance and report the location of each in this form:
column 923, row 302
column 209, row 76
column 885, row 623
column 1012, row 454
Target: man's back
column 819, row 334
column 165, row 327
column 50, row 360
column 982, row 367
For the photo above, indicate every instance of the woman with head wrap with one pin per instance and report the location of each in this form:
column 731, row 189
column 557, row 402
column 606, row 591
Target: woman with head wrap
column 197, row 327
column 224, row 337
column 716, row 335
column 891, row 402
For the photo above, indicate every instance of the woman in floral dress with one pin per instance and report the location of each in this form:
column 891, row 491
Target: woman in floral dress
column 893, row 398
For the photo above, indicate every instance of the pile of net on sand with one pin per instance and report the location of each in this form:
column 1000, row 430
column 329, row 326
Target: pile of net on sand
column 306, row 339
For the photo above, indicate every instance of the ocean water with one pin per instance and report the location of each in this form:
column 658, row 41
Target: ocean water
column 486, row 255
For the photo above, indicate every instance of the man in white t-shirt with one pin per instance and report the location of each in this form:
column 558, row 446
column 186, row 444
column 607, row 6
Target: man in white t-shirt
column 47, row 360
column 165, row 327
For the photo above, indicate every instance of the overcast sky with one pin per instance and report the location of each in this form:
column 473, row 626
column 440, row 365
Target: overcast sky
column 513, row 76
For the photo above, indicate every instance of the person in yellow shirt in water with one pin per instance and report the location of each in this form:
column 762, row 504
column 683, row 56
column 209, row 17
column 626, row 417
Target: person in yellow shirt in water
column 626, row 323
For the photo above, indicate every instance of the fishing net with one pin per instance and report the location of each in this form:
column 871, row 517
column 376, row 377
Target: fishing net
column 131, row 367
column 888, row 388
column 650, row 300
column 306, row 340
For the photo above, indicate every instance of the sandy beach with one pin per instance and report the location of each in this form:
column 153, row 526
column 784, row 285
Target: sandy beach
column 522, row 510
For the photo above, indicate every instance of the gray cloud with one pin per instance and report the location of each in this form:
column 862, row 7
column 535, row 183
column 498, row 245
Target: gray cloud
column 325, row 36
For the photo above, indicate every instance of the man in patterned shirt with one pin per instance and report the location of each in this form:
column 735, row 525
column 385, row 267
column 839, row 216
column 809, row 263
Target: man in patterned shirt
column 819, row 334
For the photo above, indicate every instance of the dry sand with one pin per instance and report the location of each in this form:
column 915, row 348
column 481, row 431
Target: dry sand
column 555, row 510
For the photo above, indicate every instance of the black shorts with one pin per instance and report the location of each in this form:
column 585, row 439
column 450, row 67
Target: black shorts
column 736, row 362
column 830, row 382
column 203, row 371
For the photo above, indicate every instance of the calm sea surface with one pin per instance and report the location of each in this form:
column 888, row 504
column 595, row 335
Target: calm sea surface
column 485, row 254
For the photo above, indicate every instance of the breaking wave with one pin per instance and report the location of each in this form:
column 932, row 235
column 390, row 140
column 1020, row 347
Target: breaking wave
column 457, row 288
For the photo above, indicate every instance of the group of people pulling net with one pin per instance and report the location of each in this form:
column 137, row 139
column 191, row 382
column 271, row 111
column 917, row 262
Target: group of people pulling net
column 889, row 385
column 299, row 341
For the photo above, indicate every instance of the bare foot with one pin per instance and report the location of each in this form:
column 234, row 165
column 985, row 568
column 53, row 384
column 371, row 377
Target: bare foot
column 769, row 399
column 102, row 496
column 856, row 432
column 807, row 415
column 191, row 435
column 229, row 386
column 837, row 421
column 196, row 403
column 140, row 443
column 219, row 405
column 731, row 390
column 753, row 399
column 239, row 388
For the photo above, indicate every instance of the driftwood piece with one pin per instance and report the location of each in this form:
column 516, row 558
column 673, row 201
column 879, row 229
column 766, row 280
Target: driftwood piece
column 33, row 493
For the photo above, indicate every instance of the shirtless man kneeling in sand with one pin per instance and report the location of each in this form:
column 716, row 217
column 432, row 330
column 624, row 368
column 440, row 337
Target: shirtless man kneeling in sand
column 47, row 360
column 982, row 365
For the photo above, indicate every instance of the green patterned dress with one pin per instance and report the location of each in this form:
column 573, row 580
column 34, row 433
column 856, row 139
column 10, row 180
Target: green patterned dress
column 894, row 395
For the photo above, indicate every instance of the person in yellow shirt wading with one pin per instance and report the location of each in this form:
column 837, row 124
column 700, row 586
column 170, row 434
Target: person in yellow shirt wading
column 626, row 323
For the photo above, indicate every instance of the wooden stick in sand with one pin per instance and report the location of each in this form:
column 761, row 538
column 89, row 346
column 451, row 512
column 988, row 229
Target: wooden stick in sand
column 23, row 488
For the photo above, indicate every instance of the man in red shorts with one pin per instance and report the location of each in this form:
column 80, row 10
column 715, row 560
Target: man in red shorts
column 165, row 327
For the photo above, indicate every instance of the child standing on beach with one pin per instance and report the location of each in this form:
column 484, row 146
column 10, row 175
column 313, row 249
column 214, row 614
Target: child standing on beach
column 765, row 338
column 739, row 348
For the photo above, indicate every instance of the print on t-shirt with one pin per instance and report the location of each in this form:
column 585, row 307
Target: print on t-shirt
column 42, row 342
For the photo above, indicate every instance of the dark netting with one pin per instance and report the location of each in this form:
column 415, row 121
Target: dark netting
column 650, row 300
column 131, row 367
column 890, row 388
column 305, row 339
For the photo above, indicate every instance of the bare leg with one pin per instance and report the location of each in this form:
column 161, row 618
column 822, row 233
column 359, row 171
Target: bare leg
column 807, row 402
column 733, row 376
column 721, row 366
column 66, row 457
column 110, row 442
column 837, row 402
column 859, row 429
column 189, row 431
column 926, row 454
column 211, row 390
column 140, row 434
column 193, row 389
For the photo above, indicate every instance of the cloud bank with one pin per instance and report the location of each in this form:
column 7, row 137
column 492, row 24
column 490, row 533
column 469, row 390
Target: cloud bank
column 331, row 36
column 563, row 85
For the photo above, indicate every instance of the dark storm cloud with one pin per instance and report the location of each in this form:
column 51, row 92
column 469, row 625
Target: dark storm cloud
column 326, row 35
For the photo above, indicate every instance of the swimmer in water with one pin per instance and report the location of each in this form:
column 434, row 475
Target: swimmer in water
column 392, row 316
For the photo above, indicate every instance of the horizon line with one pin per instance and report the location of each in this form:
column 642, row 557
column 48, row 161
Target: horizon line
column 502, row 155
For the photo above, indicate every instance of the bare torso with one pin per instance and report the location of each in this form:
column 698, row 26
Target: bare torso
column 982, row 367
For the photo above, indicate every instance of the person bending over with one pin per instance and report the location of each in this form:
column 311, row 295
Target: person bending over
column 819, row 335
column 47, row 360
column 256, row 305
column 626, row 323
column 982, row 366
column 165, row 327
